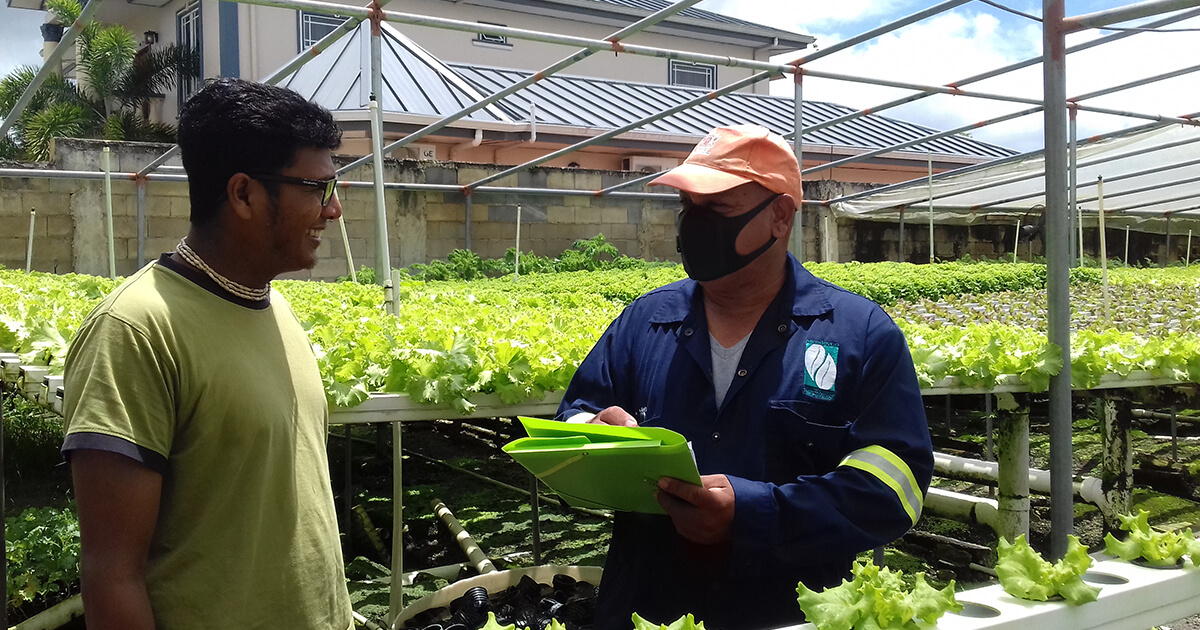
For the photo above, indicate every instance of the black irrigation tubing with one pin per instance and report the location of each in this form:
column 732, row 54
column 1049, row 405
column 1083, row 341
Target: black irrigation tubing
column 599, row 513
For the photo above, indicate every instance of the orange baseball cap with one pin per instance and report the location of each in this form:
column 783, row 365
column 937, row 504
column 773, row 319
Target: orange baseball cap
column 731, row 156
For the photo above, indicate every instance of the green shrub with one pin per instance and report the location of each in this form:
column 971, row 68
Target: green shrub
column 42, row 550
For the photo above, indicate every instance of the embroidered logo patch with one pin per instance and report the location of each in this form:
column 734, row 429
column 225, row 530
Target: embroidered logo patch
column 820, row 369
column 707, row 143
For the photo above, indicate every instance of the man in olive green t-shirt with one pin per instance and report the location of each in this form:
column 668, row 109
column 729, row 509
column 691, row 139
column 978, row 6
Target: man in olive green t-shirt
column 196, row 419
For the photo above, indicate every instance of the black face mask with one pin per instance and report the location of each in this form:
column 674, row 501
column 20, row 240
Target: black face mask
column 707, row 241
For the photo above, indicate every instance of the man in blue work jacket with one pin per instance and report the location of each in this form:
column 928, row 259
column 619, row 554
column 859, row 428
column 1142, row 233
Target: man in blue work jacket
column 799, row 399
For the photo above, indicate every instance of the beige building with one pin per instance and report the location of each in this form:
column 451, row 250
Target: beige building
column 430, row 73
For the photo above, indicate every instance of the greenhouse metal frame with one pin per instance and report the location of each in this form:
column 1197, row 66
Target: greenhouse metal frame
column 1058, row 155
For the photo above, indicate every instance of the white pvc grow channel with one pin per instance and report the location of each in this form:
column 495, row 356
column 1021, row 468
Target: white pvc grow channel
column 1132, row 597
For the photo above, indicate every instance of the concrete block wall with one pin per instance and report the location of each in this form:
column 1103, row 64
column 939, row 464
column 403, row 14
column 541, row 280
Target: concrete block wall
column 70, row 230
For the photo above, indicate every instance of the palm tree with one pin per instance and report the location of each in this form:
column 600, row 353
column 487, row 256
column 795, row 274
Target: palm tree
column 119, row 81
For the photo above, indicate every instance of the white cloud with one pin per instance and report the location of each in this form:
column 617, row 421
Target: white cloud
column 804, row 16
column 966, row 42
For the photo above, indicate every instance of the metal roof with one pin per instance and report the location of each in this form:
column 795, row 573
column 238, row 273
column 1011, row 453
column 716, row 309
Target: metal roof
column 414, row 81
column 650, row 6
column 692, row 21
column 1149, row 173
column 559, row 101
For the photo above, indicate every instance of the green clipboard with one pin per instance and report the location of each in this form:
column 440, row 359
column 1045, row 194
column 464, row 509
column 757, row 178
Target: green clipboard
column 603, row 466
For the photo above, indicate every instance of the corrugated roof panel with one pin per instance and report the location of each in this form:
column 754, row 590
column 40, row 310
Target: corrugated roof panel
column 414, row 81
column 591, row 102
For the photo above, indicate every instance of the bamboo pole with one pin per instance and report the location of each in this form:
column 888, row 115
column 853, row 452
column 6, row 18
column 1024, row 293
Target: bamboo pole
column 475, row 555
column 29, row 243
column 1017, row 241
column 346, row 246
column 108, row 216
column 517, row 258
column 1126, row 245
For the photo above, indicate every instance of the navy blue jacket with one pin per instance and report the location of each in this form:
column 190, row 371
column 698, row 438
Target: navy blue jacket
column 822, row 435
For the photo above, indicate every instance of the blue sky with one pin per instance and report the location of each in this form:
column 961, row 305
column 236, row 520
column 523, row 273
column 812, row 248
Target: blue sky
column 951, row 46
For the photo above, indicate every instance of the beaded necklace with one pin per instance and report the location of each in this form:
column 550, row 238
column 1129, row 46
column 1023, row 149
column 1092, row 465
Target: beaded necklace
column 238, row 290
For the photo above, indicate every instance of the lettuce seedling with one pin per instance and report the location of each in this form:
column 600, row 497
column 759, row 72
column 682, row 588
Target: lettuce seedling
column 1159, row 549
column 492, row 624
column 876, row 599
column 1025, row 574
column 686, row 622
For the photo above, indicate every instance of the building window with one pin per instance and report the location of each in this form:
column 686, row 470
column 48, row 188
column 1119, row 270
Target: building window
column 315, row 26
column 188, row 34
column 491, row 40
column 695, row 75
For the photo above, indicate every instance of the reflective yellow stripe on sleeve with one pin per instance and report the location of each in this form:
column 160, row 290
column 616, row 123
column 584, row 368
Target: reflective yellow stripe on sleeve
column 891, row 470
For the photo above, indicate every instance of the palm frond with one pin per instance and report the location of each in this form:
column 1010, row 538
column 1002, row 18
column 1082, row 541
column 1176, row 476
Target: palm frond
column 155, row 71
column 65, row 11
column 106, row 55
column 60, row 120
column 13, row 85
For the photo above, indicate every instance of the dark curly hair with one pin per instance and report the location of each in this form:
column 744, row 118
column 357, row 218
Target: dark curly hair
column 235, row 126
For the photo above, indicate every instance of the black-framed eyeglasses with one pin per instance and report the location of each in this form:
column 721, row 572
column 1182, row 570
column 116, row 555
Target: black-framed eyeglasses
column 328, row 186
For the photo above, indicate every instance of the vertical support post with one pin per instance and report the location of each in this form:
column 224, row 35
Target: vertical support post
column 1187, row 253
column 1167, row 252
column 1117, row 468
column 346, row 246
column 1103, row 253
column 1174, row 435
column 29, row 243
column 1076, row 213
column 396, row 593
column 798, row 149
column 347, row 487
column 991, row 450
column 1054, row 73
column 1017, row 241
column 470, row 211
column 141, row 221
column 517, row 258
column 383, row 254
column 877, row 556
column 900, row 249
column 1126, row 245
column 1013, row 477
column 929, row 155
column 112, row 260
column 3, row 533
column 535, row 522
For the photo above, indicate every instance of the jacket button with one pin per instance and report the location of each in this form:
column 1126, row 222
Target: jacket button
column 742, row 372
column 783, row 328
column 716, row 436
column 687, row 332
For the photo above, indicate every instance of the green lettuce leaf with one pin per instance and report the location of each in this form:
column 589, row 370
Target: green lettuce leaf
column 686, row 622
column 876, row 599
column 1160, row 549
column 1025, row 574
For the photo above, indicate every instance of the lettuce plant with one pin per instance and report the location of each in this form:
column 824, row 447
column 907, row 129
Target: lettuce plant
column 1025, row 574
column 876, row 599
column 1159, row 549
column 686, row 622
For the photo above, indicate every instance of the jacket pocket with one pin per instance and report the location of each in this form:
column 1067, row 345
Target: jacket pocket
column 803, row 438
